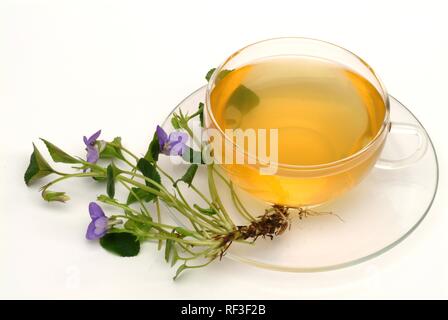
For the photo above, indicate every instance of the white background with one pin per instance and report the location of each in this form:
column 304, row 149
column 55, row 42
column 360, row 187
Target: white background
column 68, row 68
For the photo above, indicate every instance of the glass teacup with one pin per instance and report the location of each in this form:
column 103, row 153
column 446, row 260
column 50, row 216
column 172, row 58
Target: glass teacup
column 304, row 184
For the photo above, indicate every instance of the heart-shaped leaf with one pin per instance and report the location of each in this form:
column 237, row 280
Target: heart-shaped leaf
column 37, row 168
column 243, row 99
column 124, row 244
column 152, row 155
column 57, row 154
column 110, row 174
column 220, row 76
column 149, row 171
column 137, row 194
column 209, row 74
column 111, row 150
column 189, row 175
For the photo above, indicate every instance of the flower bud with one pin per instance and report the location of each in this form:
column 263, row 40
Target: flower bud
column 55, row 196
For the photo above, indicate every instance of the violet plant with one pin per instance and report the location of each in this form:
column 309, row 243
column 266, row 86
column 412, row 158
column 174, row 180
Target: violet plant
column 209, row 231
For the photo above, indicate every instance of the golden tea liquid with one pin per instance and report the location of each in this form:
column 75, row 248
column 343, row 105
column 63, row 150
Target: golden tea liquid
column 323, row 111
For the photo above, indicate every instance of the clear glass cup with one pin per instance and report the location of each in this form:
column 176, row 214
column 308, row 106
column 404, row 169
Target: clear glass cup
column 310, row 185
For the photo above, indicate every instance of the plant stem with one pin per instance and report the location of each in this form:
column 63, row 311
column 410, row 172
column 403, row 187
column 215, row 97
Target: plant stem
column 236, row 200
column 159, row 220
column 173, row 200
column 151, row 181
column 92, row 165
column 125, row 150
column 184, row 241
column 203, row 197
column 204, row 222
column 222, row 212
column 142, row 205
column 193, row 188
column 144, row 221
column 165, row 173
column 73, row 175
column 141, row 185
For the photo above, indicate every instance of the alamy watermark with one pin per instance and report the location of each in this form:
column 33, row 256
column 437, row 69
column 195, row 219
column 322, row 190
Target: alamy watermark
column 258, row 147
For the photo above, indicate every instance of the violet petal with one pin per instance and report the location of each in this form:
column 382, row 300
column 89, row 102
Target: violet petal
column 162, row 136
column 90, row 234
column 91, row 141
column 178, row 136
column 177, row 143
column 92, row 155
column 95, row 211
column 177, row 149
column 101, row 226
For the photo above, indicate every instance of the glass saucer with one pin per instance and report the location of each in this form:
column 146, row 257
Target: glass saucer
column 366, row 222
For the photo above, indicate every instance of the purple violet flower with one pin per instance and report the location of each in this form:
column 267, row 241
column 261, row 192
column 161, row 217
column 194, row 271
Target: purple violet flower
column 92, row 151
column 174, row 144
column 99, row 224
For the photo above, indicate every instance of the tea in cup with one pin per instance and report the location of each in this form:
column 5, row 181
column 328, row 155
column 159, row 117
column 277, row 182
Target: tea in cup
column 329, row 110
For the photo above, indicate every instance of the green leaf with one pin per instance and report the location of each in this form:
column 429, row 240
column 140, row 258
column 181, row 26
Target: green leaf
column 192, row 156
column 110, row 181
column 175, row 122
column 152, row 155
column 208, row 212
column 209, row 74
column 183, row 232
column 168, row 247
column 181, row 268
column 50, row 196
column 149, row 171
column 175, row 256
column 132, row 225
column 124, row 244
column 137, row 194
column 243, row 99
column 189, row 175
column 111, row 150
column 180, row 121
column 201, row 113
column 143, row 195
column 38, row 167
column 106, row 199
column 57, row 154
column 222, row 74
column 98, row 170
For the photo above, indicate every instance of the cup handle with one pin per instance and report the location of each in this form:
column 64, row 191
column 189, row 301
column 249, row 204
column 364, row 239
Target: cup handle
column 405, row 129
